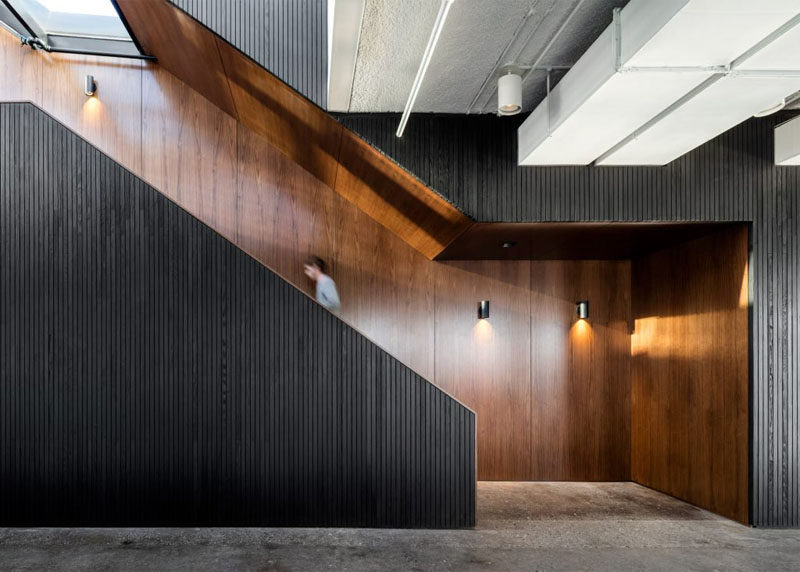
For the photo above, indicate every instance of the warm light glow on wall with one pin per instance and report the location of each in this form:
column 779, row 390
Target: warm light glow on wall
column 92, row 110
column 744, row 292
column 580, row 330
column 482, row 332
column 695, row 332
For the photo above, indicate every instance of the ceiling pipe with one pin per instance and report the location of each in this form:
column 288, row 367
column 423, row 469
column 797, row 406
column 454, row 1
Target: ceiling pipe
column 531, row 11
column 536, row 64
column 553, row 40
column 441, row 17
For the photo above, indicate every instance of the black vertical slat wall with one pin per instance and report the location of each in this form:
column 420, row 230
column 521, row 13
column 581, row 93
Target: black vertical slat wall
column 287, row 37
column 153, row 374
column 472, row 161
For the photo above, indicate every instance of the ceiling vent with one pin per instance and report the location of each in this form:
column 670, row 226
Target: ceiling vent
column 664, row 78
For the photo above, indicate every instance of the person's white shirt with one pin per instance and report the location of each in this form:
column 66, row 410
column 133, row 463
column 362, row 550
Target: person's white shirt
column 326, row 292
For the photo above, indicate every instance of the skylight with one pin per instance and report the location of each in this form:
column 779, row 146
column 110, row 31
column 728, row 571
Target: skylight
column 85, row 7
column 80, row 26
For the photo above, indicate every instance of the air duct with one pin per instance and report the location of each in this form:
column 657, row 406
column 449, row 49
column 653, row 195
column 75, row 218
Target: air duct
column 663, row 78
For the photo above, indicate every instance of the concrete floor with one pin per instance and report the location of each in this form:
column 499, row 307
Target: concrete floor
column 521, row 526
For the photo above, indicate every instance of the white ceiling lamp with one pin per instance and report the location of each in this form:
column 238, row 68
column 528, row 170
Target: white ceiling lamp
column 509, row 94
column 441, row 17
column 652, row 56
column 787, row 143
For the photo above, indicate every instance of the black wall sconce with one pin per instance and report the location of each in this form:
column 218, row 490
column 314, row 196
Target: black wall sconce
column 582, row 309
column 483, row 309
column 90, row 87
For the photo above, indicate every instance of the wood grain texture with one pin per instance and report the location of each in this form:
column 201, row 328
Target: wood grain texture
column 182, row 46
column 580, row 377
column 471, row 160
column 301, row 130
column 189, row 149
column 282, row 213
column 112, row 118
column 153, row 374
column 486, row 363
column 287, row 37
column 387, row 288
column 396, row 199
column 20, row 71
column 690, row 372
column 304, row 132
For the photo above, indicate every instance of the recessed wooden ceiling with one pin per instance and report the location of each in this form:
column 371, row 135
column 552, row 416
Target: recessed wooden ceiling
column 572, row 241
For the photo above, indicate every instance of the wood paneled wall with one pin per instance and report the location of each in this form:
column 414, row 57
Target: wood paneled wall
column 242, row 186
column 690, row 372
column 153, row 374
column 552, row 393
column 238, row 183
column 306, row 134
column 288, row 37
column 731, row 178
column 581, row 372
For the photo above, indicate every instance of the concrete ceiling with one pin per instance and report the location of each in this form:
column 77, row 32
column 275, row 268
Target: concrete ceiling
column 462, row 76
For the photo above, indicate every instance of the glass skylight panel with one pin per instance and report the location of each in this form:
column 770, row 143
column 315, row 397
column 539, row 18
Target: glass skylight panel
column 84, row 26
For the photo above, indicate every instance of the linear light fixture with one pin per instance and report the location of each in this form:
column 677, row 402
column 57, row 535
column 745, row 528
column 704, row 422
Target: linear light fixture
column 444, row 8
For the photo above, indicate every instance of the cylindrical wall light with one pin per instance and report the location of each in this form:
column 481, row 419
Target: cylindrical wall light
column 483, row 309
column 89, row 87
column 509, row 94
column 582, row 309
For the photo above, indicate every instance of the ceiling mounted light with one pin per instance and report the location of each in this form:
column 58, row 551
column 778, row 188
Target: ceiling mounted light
column 508, row 244
column 509, row 94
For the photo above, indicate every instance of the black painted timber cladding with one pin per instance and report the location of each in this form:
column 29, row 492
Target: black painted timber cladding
column 472, row 160
column 287, row 37
column 153, row 374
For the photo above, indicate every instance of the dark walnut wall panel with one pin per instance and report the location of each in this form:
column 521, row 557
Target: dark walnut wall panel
column 552, row 395
column 690, row 372
column 581, row 411
column 153, row 374
column 472, row 161
column 288, row 37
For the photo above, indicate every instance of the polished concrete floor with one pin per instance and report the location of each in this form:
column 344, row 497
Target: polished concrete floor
column 521, row 526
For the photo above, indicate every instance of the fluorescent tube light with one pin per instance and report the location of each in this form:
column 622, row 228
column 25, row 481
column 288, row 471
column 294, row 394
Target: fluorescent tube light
column 423, row 66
